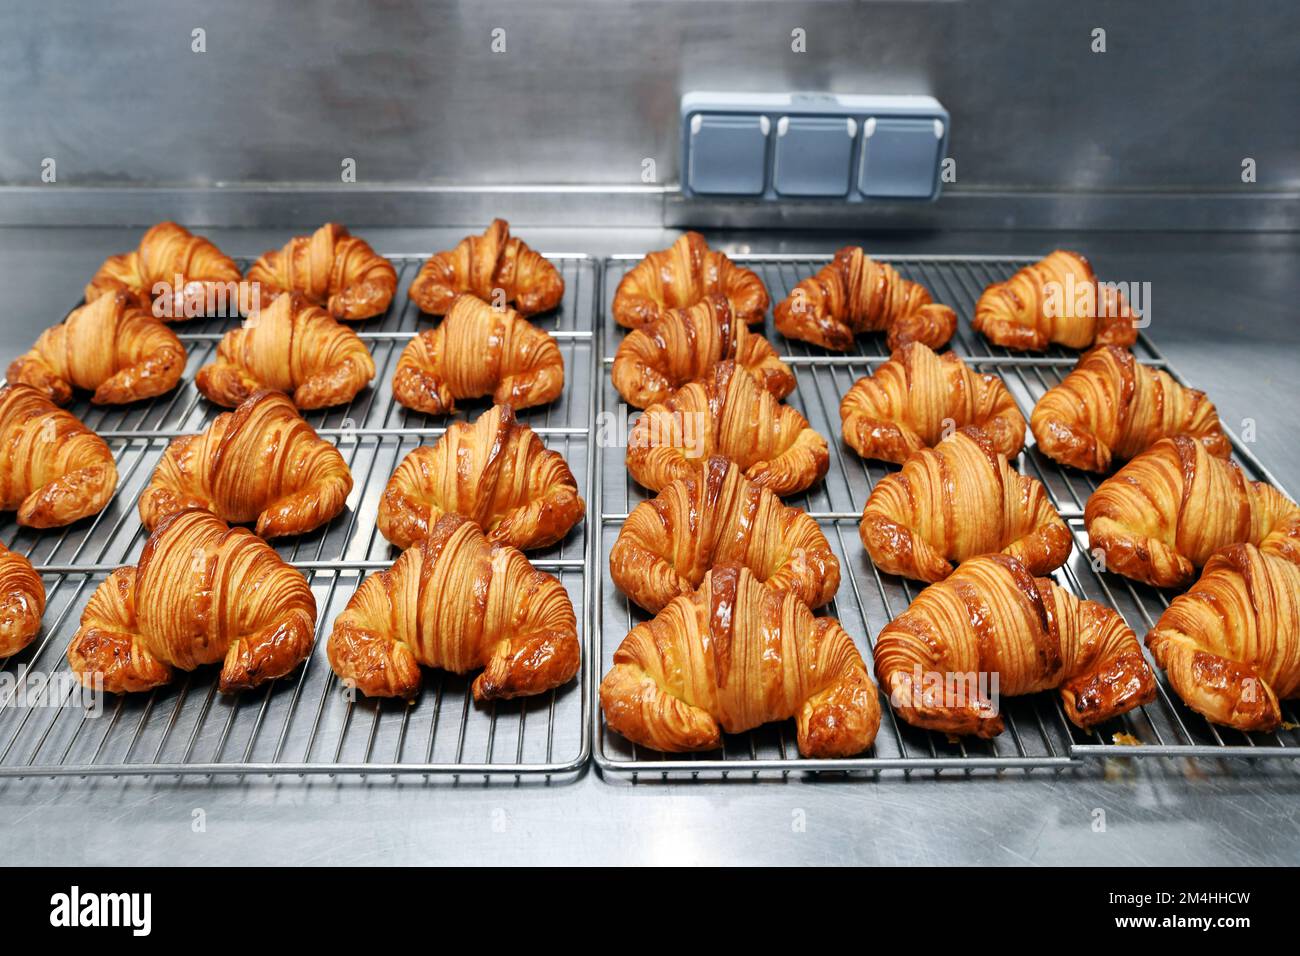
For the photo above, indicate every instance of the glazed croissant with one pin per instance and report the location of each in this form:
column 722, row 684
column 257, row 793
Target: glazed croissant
column 957, row 500
column 290, row 347
column 332, row 269
column 202, row 593
column 855, row 294
column 475, row 351
column 728, row 415
column 166, row 251
column 1162, row 515
column 1111, row 406
column 480, row 265
column 989, row 618
column 1057, row 299
column 917, row 397
column 714, row 516
column 53, row 469
column 457, row 602
column 259, row 463
column 495, row 472
column 682, row 345
column 22, row 602
column 680, row 276
column 731, row 656
column 1231, row 645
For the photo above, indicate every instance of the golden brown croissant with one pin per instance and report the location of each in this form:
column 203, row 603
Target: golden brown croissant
column 1057, row 299
column 149, row 275
column 110, row 347
column 957, row 500
column 728, row 415
column 332, row 269
column 457, row 602
column 53, row 469
column 290, row 347
column 855, row 294
column 259, row 463
column 22, row 602
column 917, row 398
column 714, row 516
column 202, row 593
column 495, row 472
column 481, row 265
column 993, row 620
column 682, row 275
column 1162, row 515
column 682, row 345
column 1112, row 406
column 731, row 656
column 475, row 351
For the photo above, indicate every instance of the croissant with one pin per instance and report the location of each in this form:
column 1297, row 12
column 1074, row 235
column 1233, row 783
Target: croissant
column 290, row 347
column 202, row 593
column 955, row 501
column 855, row 294
column 714, row 516
column 1231, row 645
column 1057, row 299
column 198, row 278
column 917, row 397
column 731, row 656
column 1111, row 406
column 259, row 463
column 481, row 265
column 495, row 472
column 22, row 602
column 475, row 351
column 682, row 275
column 728, row 415
column 332, row 269
column 455, row 601
column 992, row 622
column 53, row 469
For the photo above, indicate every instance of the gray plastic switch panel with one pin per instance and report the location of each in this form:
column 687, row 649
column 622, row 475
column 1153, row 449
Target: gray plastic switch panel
column 899, row 157
column 728, row 154
column 813, row 155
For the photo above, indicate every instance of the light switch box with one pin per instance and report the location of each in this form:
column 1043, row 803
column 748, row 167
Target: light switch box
column 728, row 154
column 813, row 155
column 899, row 157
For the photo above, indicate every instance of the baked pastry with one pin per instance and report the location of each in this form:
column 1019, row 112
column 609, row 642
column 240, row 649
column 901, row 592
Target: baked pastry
column 855, row 294
column 680, row 276
column 455, row 601
column 992, row 618
column 209, row 280
column 202, row 593
column 291, row 347
column 476, row 351
column 682, row 345
column 332, row 269
column 957, row 500
column 53, row 469
column 481, row 265
column 731, row 656
column 22, row 602
column 917, row 398
column 495, row 472
column 1057, row 299
column 1112, row 406
column 715, row 516
column 728, row 415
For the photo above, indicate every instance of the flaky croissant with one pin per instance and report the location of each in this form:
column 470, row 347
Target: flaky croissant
column 481, row 265
column 457, row 602
column 332, row 269
column 495, row 472
column 168, row 252
column 22, row 602
column 731, row 656
column 201, row 593
column 1112, row 406
column 855, row 294
column 714, row 516
column 991, row 619
column 290, row 347
column 917, row 398
column 1057, row 299
column 957, row 500
column 680, row 276
column 728, row 415
column 53, row 469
